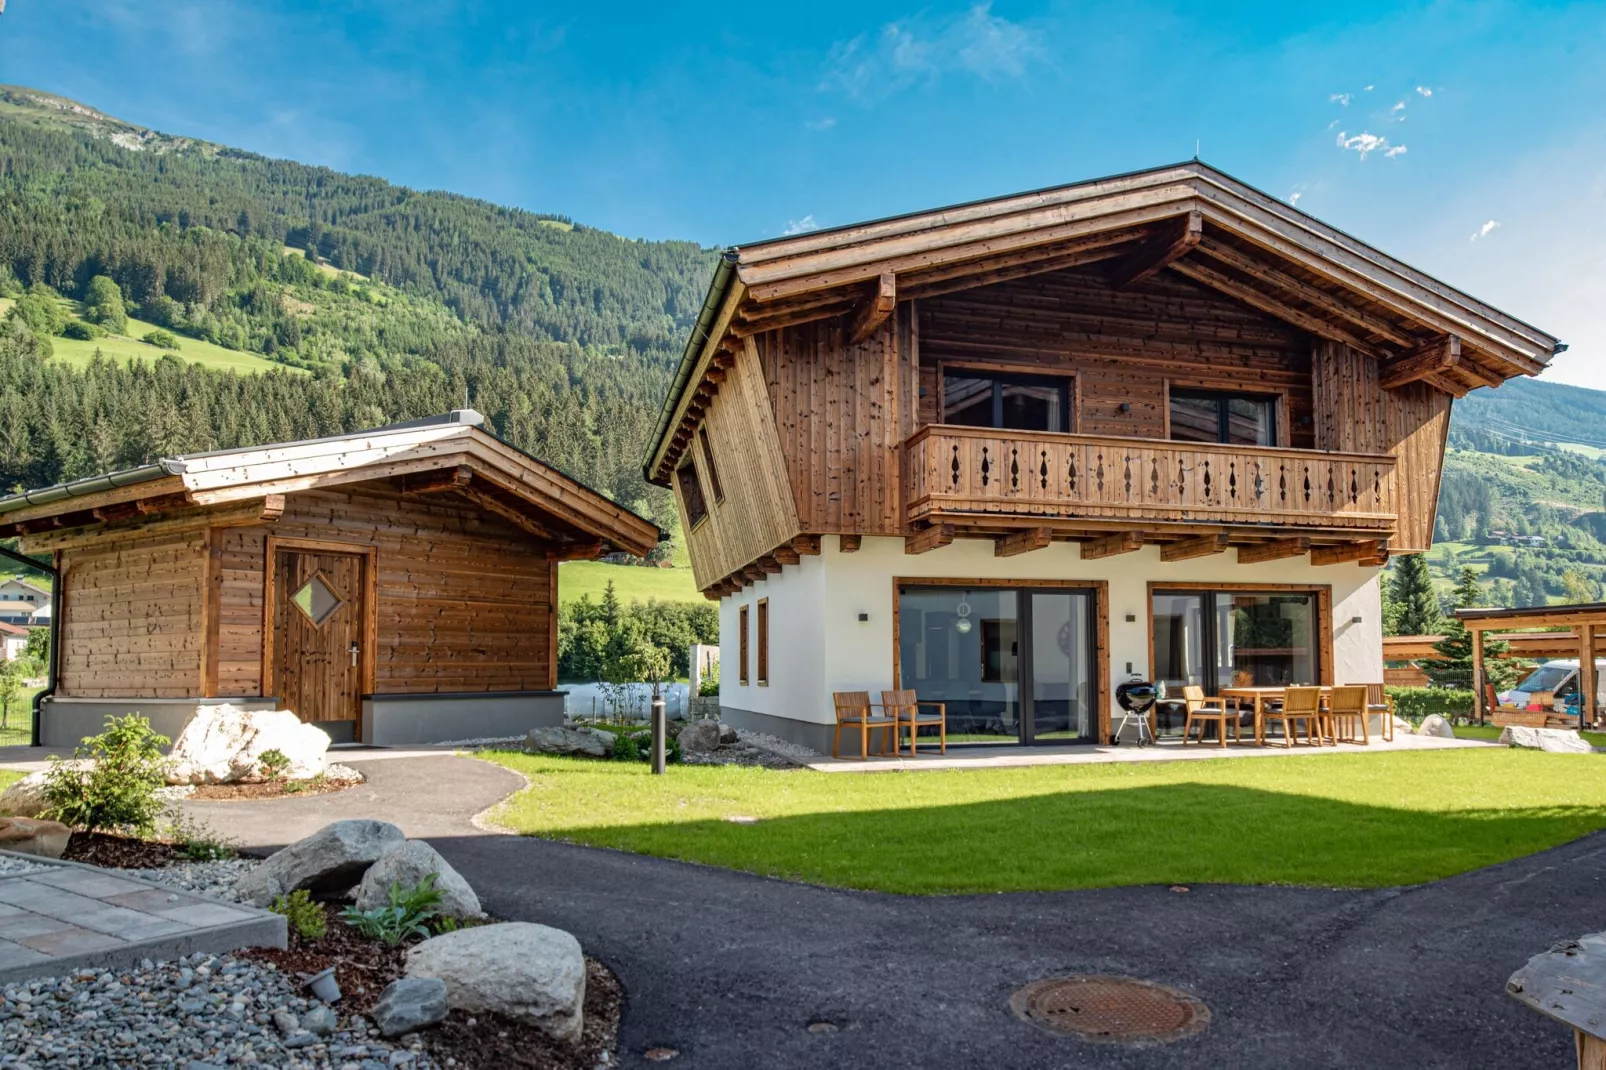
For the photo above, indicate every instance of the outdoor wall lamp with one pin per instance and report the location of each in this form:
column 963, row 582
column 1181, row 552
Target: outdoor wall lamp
column 1355, row 620
column 863, row 617
column 1131, row 618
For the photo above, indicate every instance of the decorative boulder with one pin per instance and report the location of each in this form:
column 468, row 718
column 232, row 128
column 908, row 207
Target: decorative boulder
column 587, row 742
column 330, row 860
column 528, row 972
column 224, row 745
column 409, row 863
column 700, row 737
column 26, row 798
column 1555, row 740
column 33, row 836
column 1434, row 725
column 727, row 734
column 409, row 1004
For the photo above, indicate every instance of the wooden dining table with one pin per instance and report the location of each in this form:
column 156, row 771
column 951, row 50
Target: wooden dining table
column 1257, row 697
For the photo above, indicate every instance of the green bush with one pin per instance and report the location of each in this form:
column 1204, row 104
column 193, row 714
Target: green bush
column 118, row 791
column 1415, row 703
column 625, row 748
column 408, row 913
column 83, row 332
column 196, row 841
column 708, row 686
column 161, row 339
column 306, row 917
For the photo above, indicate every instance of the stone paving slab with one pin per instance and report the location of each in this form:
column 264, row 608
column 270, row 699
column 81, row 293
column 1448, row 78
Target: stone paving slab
column 65, row 916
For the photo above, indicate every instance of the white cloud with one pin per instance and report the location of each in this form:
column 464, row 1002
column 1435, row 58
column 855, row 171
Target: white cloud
column 820, row 124
column 1395, row 150
column 922, row 48
column 1483, row 231
column 801, row 226
column 1370, row 88
column 1365, row 144
column 1424, row 90
column 1395, row 111
column 1293, row 198
column 1342, row 99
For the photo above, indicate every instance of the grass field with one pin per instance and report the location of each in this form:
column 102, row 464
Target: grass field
column 631, row 583
column 19, row 720
column 129, row 347
column 1362, row 820
column 7, row 778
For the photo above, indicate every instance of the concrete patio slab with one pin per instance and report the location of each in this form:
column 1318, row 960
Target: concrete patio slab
column 61, row 916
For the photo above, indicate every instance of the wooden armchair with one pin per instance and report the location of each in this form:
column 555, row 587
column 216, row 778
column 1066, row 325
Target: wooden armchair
column 1379, row 703
column 1346, row 710
column 1202, row 710
column 854, row 710
column 904, row 709
column 1299, row 704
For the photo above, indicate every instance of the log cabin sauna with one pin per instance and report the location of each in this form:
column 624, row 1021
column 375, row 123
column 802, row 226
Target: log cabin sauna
column 1007, row 452
column 392, row 586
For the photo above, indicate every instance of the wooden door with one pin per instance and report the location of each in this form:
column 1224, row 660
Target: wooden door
column 319, row 608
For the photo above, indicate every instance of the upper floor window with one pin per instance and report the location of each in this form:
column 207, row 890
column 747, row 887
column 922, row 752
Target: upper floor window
column 1015, row 402
column 713, row 469
column 1213, row 416
column 691, row 494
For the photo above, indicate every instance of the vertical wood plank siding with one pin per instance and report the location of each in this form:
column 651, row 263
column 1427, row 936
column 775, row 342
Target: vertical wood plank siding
column 757, row 513
column 1411, row 423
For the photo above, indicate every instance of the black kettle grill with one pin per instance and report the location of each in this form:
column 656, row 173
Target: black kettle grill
column 1136, row 697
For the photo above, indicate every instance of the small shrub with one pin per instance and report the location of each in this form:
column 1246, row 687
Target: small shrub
column 446, row 924
column 408, row 913
column 1415, row 703
column 296, row 787
column 196, row 840
column 306, row 917
column 708, row 686
column 274, row 763
column 83, row 332
column 625, row 748
column 642, row 742
column 119, row 790
column 161, row 339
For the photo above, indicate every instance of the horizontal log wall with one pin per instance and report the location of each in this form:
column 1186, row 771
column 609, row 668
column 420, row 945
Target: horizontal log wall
column 462, row 598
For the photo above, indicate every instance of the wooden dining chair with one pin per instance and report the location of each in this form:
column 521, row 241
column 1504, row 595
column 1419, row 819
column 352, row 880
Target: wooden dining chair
column 904, row 709
column 854, row 710
column 1379, row 704
column 1199, row 709
column 1347, row 710
column 1299, row 704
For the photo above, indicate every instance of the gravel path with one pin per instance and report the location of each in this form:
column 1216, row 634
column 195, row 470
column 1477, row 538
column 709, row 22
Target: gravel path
column 16, row 867
column 196, row 1013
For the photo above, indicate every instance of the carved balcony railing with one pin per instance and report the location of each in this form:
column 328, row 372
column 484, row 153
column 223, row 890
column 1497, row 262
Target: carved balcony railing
column 952, row 472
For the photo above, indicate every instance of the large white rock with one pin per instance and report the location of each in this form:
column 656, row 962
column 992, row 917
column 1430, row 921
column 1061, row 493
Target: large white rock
column 26, row 798
column 1434, row 725
column 224, row 745
column 533, row 973
column 409, row 863
column 1555, row 740
column 333, row 859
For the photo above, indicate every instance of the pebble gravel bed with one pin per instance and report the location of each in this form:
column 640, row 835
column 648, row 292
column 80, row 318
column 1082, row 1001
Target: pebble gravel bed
column 757, row 749
column 214, row 879
column 197, row 1013
column 16, row 867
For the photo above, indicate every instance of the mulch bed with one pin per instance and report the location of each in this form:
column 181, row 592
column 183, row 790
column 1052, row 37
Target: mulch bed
column 365, row 967
column 272, row 789
column 119, row 852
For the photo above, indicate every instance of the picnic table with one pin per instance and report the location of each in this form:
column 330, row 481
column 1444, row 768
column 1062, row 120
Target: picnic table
column 1257, row 698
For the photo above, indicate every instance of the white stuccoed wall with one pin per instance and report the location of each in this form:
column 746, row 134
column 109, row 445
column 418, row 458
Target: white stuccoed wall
column 818, row 644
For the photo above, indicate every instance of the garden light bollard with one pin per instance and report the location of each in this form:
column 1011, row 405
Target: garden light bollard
column 659, row 729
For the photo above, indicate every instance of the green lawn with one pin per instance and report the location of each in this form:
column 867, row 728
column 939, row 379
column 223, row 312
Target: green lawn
column 632, row 583
column 128, row 346
column 18, row 731
column 1361, row 820
column 7, row 778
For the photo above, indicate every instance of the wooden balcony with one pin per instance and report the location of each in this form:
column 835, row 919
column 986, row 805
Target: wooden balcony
column 977, row 476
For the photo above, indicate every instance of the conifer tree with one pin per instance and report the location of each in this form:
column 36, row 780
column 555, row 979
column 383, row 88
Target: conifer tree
column 1411, row 591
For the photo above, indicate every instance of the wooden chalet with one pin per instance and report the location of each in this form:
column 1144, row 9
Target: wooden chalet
column 1009, row 451
column 398, row 585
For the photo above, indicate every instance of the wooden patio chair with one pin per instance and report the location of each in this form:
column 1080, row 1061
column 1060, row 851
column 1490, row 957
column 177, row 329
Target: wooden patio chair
column 1198, row 709
column 904, row 709
column 1346, row 710
column 1378, row 703
column 1299, row 704
column 853, row 709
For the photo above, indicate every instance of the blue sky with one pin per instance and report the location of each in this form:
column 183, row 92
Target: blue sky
column 1466, row 138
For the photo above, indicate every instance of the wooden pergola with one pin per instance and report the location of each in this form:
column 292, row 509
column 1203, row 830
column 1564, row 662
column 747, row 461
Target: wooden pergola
column 1582, row 620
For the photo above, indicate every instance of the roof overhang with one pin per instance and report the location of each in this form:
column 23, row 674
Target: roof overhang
column 450, row 454
column 1188, row 218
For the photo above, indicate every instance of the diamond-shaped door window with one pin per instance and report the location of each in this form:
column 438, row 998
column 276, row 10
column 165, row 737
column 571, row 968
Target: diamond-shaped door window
column 316, row 599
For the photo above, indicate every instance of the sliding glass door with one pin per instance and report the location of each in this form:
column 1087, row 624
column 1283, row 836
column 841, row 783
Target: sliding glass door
column 1013, row 665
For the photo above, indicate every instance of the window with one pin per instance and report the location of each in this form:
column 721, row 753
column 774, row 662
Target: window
column 741, row 663
column 713, row 469
column 1014, row 402
column 316, row 600
column 1235, row 419
column 763, row 642
column 691, row 494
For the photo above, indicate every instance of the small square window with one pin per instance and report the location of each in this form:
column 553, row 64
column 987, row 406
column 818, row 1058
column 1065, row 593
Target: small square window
column 316, row 599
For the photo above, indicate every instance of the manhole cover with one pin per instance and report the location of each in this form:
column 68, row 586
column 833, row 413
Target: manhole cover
column 1110, row 1009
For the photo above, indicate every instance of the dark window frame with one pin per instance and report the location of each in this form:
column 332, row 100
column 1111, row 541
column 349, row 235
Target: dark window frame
column 741, row 664
column 1065, row 383
column 763, row 626
column 691, row 493
column 1223, row 398
column 713, row 469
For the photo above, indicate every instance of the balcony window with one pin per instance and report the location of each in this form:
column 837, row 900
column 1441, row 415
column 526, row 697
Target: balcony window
column 1013, row 402
column 1232, row 419
column 691, row 494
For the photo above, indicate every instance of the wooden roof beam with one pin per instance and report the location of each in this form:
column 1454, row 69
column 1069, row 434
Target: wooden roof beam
column 927, row 539
column 1439, row 356
column 1347, row 552
column 808, row 545
column 1022, row 542
column 877, row 306
column 445, row 479
column 1272, row 306
column 1123, row 542
column 849, row 544
column 786, row 555
column 1275, row 550
column 493, row 504
column 1172, row 242
column 1187, row 549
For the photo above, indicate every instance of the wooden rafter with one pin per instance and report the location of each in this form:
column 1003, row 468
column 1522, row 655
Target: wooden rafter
column 878, row 304
column 927, row 539
column 445, row 479
column 1022, row 542
column 1122, row 542
column 493, row 503
column 786, row 555
column 808, row 545
column 1272, row 305
column 1347, row 552
column 1431, row 362
column 1187, row 549
column 1275, row 550
column 849, row 544
column 1173, row 240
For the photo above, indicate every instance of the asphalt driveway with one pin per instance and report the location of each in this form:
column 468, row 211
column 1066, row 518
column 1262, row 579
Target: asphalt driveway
column 731, row 969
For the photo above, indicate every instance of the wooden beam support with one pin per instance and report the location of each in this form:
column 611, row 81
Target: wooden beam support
column 786, row 555
column 272, row 508
column 878, row 304
column 578, row 551
column 1174, row 241
column 1273, row 306
column 1123, row 542
column 767, row 565
column 495, row 505
column 164, row 503
column 752, row 574
column 1187, row 549
column 927, row 539
column 1022, row 542
column 808, row 545
column 1275, row 550
column 1431, row 360
column 446, row 479
column 120, row 511
column 1345, row 553
column 849, row 544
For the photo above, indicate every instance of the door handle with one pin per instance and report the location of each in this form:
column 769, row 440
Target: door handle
column 354, row 652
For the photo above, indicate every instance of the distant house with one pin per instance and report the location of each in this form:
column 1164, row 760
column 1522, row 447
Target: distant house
column 1008, row 453
column 13, row 641
column 398, row 585
column 13, row 611
column 21, row 590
